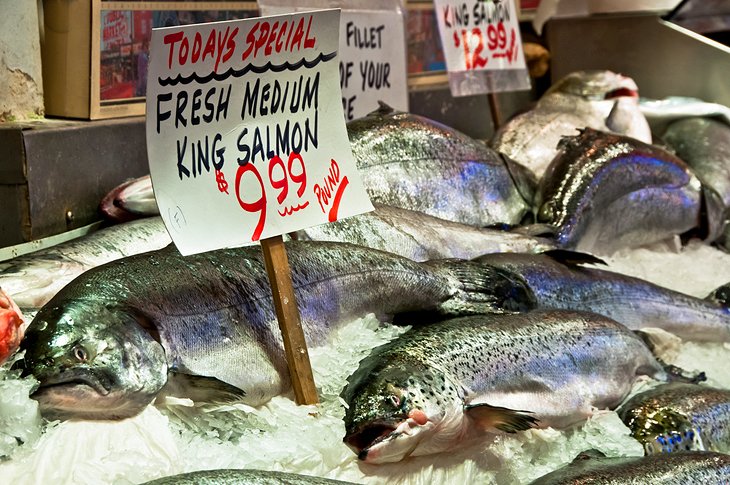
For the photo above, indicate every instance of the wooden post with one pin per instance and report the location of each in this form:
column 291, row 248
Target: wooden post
column 494, row 110
column 287, row 312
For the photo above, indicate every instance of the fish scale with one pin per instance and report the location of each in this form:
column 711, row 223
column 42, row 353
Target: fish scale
column 603, row 192
column 411, row 162
column 213, row 316
column 436, row 385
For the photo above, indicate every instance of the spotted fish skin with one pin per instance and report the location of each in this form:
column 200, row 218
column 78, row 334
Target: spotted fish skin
column 243, row 477
column 604, row 192
column 633, row 302
column 679, row 416
column 415, row 163
column 32, row 279
column 419, row 393
column 421, row 237
column 689, row 467
column 212, row 315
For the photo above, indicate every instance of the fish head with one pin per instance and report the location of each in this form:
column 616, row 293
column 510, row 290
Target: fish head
column 663, row 430
column 92, row 361
column 396, row 412
column 596, row 85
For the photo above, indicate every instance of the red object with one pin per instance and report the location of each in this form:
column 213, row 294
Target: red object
column 11, row 327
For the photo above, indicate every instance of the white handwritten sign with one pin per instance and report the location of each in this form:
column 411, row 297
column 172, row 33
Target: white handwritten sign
column 245, row 131
column 372, row 62
column 480, row 35
column 372, row 52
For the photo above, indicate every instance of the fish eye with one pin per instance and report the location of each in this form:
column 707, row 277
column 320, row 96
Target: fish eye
column 394, row 400
column 546, row 212
column 80, row 353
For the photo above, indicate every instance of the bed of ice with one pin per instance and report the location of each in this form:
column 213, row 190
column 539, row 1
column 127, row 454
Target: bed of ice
column 176, row 437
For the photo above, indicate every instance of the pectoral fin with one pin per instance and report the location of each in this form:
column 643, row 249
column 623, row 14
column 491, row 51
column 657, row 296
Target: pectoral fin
column 504, row 419
column 200, row 389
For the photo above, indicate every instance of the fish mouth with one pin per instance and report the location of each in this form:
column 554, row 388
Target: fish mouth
column 621, row 92
column 368, row 436
column 72, row 382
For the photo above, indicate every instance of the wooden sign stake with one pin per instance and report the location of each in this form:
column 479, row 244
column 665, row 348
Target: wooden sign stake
column 494, row 110
column 287, row 313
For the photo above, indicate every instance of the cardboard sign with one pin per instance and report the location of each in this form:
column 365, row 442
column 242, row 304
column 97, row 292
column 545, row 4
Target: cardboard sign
column 372, row 62
column 245, row 131
column 480, row 35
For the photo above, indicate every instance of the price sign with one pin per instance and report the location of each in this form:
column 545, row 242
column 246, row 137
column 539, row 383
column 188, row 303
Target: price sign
column 245, row 131
column 480, row 35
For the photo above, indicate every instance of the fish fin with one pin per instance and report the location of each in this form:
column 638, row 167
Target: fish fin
column 677, row 374
column 383, row 109
column 589, row 455
column 524, row 179
column 483, row 289
column 720, row 295
column 713, row 218
column 573, row 258
column 664, row 345
column 200, row 389
column 536, row 230
column 617, row 120
column 504, row 419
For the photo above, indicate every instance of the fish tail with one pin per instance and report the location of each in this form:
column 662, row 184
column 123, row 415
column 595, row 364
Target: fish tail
column 479, row 288
column 677, row 374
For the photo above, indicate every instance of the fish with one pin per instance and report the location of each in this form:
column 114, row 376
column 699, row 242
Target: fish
column 32, row 279
column 704, row 143
column 438, row 385
column 12, row 326
column 691, row 467
column 243, row 477
column 421, row 237
column 414, row 163
column 605, row 192
column 130, row 200
column 660, row 112
column 679, row 416
column 103, row 346
column 558, row 280
column 602, row 100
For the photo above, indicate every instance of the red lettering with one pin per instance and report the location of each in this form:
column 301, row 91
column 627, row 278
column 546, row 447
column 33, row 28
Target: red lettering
column 209, row 45
column 230, row 45
column 197, row 45
column 282, row 31
column 272, row 38
column 309, row 42
column 261, row 40
column 256, row 206
column 171, row 40
column 250, row 40
column 477, row 60
column 297, row 39
column 182, row 55
column 283, row 182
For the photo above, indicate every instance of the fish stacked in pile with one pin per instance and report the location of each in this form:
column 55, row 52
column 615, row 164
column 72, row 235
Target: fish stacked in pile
column 518, row 333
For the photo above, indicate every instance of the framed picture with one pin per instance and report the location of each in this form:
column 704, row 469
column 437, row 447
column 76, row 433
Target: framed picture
column 98, row 69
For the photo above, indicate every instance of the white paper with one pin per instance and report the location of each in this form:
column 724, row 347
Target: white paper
column 480, row 35
column 247, row 142
column 372, row 53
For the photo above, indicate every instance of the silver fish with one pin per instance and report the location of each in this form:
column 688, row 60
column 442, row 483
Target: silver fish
column 441, row 384
column 602, row 100
column 690, row 467
column 414, row 163
column 130, row 200
column 421, row 237
column 679, row 416
column 633, row 302
column 102, row 347
column 660, row 112
column 32, row 279
column 243, row 477
column 704, row 144
column 604, row 192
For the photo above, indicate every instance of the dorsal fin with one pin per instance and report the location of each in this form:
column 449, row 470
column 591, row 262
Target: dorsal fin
column 573, row 258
